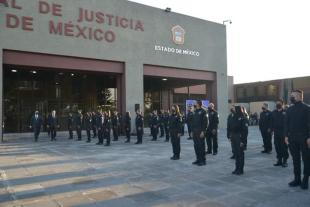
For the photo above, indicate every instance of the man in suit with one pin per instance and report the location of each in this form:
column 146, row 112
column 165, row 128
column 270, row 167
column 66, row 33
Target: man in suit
column 36, row 123
column 53, row 124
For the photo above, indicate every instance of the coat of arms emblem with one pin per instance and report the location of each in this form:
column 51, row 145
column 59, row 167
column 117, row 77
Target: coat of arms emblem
column 178, row 34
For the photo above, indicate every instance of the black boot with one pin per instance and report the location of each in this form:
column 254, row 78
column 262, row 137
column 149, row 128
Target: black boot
column 305, row 183
column 279, row 163
column 295, row 182
column 284, row 164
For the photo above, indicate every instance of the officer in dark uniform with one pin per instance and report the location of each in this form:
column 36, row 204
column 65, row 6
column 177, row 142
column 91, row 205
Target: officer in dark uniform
column 94, row 128
column 70, row 122
column 88, row 122
column 297, row 132
column 161, row 123
column 183, row 123
column 238, row 126
column 246, row 133
column 53, row 124
column 189, row 120
column 200, row 124
column 154, row 125
column 229, row 129
column 277, row 126
column 212, row 130
column 99, row 125
column 127, row 126
column 175, row 129
column 139, row 127
column 79, row 124
column 265, row 128
column 166, row 125
column 115, row 126
column 107, row 125
column 35, row 125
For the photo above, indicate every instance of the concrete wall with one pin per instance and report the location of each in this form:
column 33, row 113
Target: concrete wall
column 134, row 48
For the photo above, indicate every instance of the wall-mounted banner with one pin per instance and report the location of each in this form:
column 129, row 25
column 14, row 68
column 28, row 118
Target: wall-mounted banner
column 191, row 103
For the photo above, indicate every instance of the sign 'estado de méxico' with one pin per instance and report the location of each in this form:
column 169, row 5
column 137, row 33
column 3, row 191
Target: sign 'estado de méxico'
column 75, row 28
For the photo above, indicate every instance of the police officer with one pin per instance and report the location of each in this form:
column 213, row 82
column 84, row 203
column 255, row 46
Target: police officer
column 94, row 128
column 166, row 125
column 246, row 133
column 115, row 125
column 139, row 126
column 200, row 124
column 277, row 124
column 161, row 123
column 53, row 124
column 154, row 125
column 265, row 128
column 189, row 120
column 35, row 124
column 238, row 129
column 127, row 126
column 212, row 130
column 79, row 124
column 297, row 132
column 175, row 129
column 70, row 122
column 99, row 126
column 229, row 129
column 88, row 125
column 107, row 125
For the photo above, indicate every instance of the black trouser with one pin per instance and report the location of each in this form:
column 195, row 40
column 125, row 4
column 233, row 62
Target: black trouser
column 175, row 141
column 280, row 146
column 238, row 151
column 212, row 141
column 94, row 131
column 115, row 133
column 199, row 146
column 139, row 135
column 79, row 132
column 297, row 145
column 70, row 132
column 36, row 133
column 183, row 126
column 167, row 133
column 100, row 136
column 107, row 136
column 162, row 132
column 154, row 132
column 127, row 131
column 88, row 134
column 189, row 129
column 267, row 140
column 53, row 132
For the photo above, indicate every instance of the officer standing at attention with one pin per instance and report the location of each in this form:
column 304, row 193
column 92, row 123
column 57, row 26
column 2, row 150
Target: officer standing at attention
column 70, row 125
column 154, row 125
column 115, row 126
column 94, row 128
column 166, row 125
column 265, row 128
column 127, row 126
column 139, row 127
column 99, row 126
column 36, row 123
column 88, row 125
column 78, row 125
column 107, row 125
column 212, row 130
column 297, row 136
column 161, row 123
column 238, row 130
column 246, row 133
column 175, row 129
column 229, row 129
column 52, row 124
column 189, row 120
column 200, row 124
column 277, row 126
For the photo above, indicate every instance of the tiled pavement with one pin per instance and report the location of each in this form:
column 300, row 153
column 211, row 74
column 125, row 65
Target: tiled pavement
column 71, row 173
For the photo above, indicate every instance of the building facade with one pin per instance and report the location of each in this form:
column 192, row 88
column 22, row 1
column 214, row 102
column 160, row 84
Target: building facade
column 117, row 55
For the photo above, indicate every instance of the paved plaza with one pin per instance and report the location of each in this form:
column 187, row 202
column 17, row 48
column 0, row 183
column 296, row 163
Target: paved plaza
column 71, row 173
